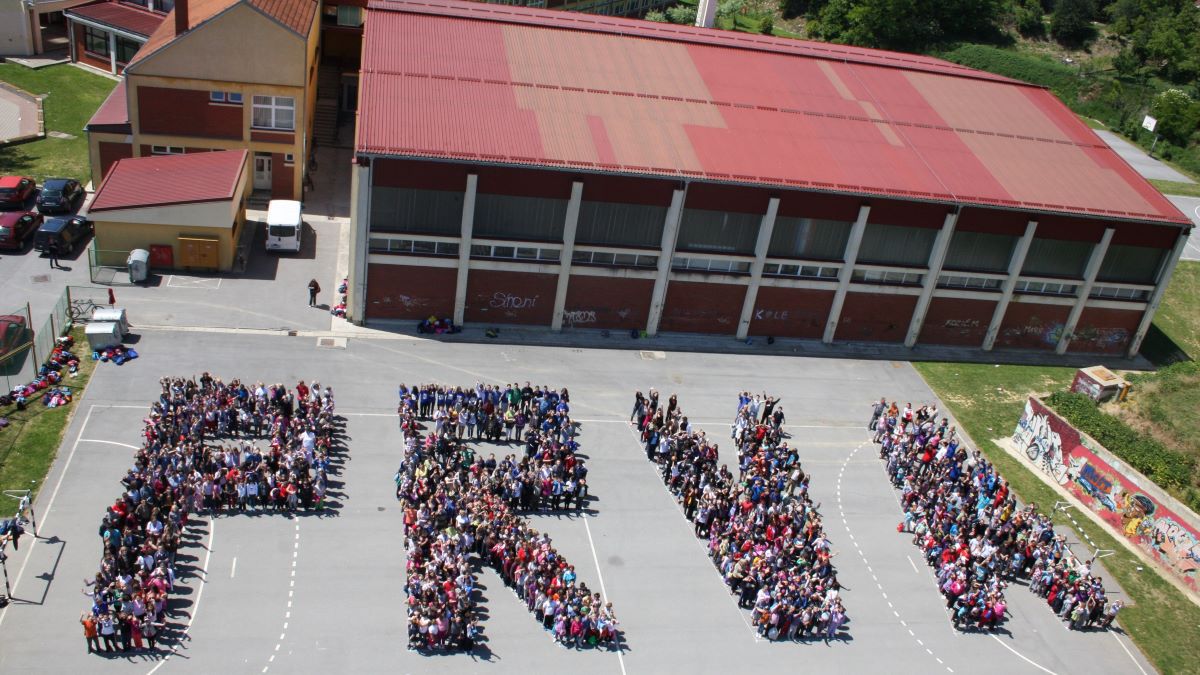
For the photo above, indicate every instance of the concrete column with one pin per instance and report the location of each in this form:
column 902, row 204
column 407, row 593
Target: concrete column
column 706, row 13
column 765, row 229
column 1015, row 263
column 666, row 252
column 839, row 298
column 360, row 233
column 1089, row 280
column 71, row 42
column 464, row 249
column 568, row 252
column 112, row 52
column 1156, row 296
column 937, row 257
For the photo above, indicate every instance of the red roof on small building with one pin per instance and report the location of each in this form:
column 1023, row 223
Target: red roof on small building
column 113, row 113
column 164, row 180
column 509, row 85
column 129, row 18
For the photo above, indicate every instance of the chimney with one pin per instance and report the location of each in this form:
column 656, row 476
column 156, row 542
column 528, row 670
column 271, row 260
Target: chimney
column 181, row 17
column 706, row 13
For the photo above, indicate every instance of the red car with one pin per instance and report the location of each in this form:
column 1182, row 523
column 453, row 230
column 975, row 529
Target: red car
column 12, row 332
column 15, row 192
column 16, row 228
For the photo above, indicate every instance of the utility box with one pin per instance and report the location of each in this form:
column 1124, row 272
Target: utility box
column 112, row 314
column 199, row 253
column 1100, row 384
column 162, row 256
column 104, row 334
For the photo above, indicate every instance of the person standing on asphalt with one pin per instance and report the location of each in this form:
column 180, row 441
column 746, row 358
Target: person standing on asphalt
column 52, row 251
column 313, row 289
column 91, row 632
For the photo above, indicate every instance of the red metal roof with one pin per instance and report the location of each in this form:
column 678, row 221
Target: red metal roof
column 163, row 180
column 295, row 15
column 130, row 18
column 114, row 112
column 510, row 85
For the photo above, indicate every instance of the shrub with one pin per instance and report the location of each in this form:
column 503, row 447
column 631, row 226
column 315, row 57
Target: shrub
column 1154, row 460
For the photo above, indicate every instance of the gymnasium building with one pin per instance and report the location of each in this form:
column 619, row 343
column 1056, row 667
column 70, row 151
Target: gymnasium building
column 523, row 166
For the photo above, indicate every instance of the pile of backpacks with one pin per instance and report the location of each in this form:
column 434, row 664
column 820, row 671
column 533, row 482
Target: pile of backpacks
column 118, row 354
column 46, row 384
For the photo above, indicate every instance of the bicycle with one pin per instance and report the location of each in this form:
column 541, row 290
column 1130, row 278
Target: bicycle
column 81, row 310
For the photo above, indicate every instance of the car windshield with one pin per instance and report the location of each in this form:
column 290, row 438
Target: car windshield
column 282, row 230
column 51, row 193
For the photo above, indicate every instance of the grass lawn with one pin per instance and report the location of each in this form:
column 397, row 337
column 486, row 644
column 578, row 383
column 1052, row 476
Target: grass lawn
column 1179, row 314
column 29, row 443
column 1170, row 187
column 987, row 401
column 72, row 96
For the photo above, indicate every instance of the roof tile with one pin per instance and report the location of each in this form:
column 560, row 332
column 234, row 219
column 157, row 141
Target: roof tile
column 163, row 180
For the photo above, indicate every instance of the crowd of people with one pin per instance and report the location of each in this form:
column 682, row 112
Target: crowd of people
column 763, row 530
column 200, row 454
column 461, row 508
column 971, row 529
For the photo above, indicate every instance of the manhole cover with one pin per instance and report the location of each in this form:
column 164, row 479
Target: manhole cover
column 331, row 343
column 40, row 278
column 652, row 356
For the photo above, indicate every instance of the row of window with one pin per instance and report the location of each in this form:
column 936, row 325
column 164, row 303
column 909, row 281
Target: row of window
column 887, row 277
column 710, row 265
column 803, row 271
column 1114, row 293
column 616, row 259
column 1046, row 288
column 232, row 97
column 96, row 41
column 970, row 283
column 343, row 15
column 381, row 245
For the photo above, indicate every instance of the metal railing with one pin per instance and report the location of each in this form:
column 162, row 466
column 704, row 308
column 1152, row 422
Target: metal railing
column 108, row 267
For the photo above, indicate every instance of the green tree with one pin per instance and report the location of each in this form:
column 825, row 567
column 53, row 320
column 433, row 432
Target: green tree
column 655, row 15
column 1162, row 35
column 910, row 25
column 1177, row 114
column 682, row 14
column 1028, row 16
column 1071, row 22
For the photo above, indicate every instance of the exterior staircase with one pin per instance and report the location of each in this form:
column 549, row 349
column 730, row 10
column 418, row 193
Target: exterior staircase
column 325, row 117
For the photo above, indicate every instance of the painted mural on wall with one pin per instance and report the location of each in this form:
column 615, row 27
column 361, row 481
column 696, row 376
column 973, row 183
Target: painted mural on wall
column 1070, row 458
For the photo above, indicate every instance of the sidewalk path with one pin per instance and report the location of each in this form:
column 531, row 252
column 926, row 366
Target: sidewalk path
column 1144, row 164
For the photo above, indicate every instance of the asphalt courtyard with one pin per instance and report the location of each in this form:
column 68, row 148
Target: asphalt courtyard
column 320, row 594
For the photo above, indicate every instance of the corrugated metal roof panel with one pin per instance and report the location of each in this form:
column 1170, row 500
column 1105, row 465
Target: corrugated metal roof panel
column 119, row 15
column 162, row 180
column 509, row 85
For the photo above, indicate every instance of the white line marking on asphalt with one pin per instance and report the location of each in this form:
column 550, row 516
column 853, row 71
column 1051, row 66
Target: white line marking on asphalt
column 281, row 636
column 49, row 509
column 914, row 565
column 233, row 567
column 603, row 592
column 1117, row 637
column 1023, row 657
column 97, row 440
column 212, row 533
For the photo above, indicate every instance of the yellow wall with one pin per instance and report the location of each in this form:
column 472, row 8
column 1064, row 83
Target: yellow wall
column 243, row 51
column 123, row 237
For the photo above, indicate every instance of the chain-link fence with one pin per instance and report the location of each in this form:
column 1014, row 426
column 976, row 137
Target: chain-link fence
column 22, row 348
column 108, row 267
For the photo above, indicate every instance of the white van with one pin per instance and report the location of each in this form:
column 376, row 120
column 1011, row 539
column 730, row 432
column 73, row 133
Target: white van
column 284, row 225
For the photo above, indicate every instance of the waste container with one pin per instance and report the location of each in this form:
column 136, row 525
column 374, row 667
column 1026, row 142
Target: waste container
column 139, row 265
column 115, row 315
column 103, row 334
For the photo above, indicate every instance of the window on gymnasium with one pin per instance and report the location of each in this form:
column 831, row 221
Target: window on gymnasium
column 349, row 15
column 95, row 41
column 274, row 112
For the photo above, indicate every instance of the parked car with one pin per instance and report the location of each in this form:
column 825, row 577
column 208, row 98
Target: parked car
column 13, row 332
column 16, row 228
column 68, row 233
column 60, row 195
column 16, row 192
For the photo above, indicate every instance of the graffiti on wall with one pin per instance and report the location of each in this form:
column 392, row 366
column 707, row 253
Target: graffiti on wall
column 771, row 315
column 579, row 317
column 1111, row 493
column 965, row 324
column 1048, row 333
column 1102, row 337
column 504, row 300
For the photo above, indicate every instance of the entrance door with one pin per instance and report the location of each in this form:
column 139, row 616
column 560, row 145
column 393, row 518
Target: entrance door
column 262, row 172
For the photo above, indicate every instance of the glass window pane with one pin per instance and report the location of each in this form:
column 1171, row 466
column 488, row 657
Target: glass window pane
column 424, row 247
column 647, row 261
column 481, row 250
column 503, row 251
column 625, row 259
column 527, row 253
column 789, row 270
column 771, row 268
column 601, row 258
column 582, row 257
column 549, row 254
column 379, row 244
